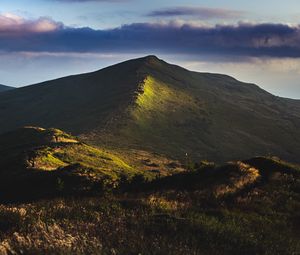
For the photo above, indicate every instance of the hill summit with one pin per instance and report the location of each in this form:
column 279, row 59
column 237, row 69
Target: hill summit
column 151, row 105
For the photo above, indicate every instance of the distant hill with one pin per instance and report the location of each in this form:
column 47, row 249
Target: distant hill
column 151, row 105
column 35, row 161
column 51, row 149
column 5, row 88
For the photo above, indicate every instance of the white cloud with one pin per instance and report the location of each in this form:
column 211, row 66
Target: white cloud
column 11, row 23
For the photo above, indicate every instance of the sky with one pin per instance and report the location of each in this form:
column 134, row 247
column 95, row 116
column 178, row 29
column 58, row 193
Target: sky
column 255, row 41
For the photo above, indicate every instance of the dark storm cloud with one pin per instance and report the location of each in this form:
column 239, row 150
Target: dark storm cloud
column 242, row 40
column 206, row 13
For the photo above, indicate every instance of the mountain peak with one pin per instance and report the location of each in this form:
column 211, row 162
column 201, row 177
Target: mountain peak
column 150, row 104
column 151, row 58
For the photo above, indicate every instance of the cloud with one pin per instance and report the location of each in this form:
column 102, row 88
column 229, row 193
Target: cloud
column 11, row 24
column 206, row 13
column 239, row 41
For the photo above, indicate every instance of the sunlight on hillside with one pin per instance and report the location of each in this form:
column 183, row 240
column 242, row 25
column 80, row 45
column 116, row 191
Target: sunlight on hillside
column 158, row 98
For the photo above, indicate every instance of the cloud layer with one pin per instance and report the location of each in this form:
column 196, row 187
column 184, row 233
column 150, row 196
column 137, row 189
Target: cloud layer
column 11, row 24
column 205, row 13
column 241, row 40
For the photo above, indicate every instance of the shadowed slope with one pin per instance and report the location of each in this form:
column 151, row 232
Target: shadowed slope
column 38, row 162
column 208, row 116
column 255, row 178
column 35, row 160
column 5, row 88
column 76, row 103
column 49, row 149
column 151, row 105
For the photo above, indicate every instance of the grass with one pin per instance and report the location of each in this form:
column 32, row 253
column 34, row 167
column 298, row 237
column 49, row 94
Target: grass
column 92, row 158
column 161, row 113
column 155, row 223
column 47, row 162
column 37, row 162
column 51, row 149
column 157, row 101
column 92, row 202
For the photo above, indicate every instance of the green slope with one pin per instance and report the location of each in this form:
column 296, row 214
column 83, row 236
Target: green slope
column 148, row 104
column 208, row 116
column 51, row 149
column 34, row 160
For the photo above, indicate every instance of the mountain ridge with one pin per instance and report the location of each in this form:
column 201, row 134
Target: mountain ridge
column 151, row 105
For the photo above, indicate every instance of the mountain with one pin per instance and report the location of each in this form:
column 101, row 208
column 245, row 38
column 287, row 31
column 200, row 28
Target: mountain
column 5, row 88
column 148, row 104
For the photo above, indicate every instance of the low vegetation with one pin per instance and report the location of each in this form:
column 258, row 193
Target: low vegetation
column 161, row 222
column 237, row 208
column 47, row 162
column 62, row 196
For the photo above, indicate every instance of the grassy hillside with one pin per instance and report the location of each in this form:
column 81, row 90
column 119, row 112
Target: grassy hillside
column 252, row 207
column 76, row 104
column 49, row 149
column 37, row 162
column 104, row 204
column 43, row 161
column 149, row 105
column 207, row 116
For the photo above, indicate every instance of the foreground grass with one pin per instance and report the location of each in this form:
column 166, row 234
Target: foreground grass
column 156, row 223
column 243, row 207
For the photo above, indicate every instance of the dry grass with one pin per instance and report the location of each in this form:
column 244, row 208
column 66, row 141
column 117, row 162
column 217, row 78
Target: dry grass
column 156, row 223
